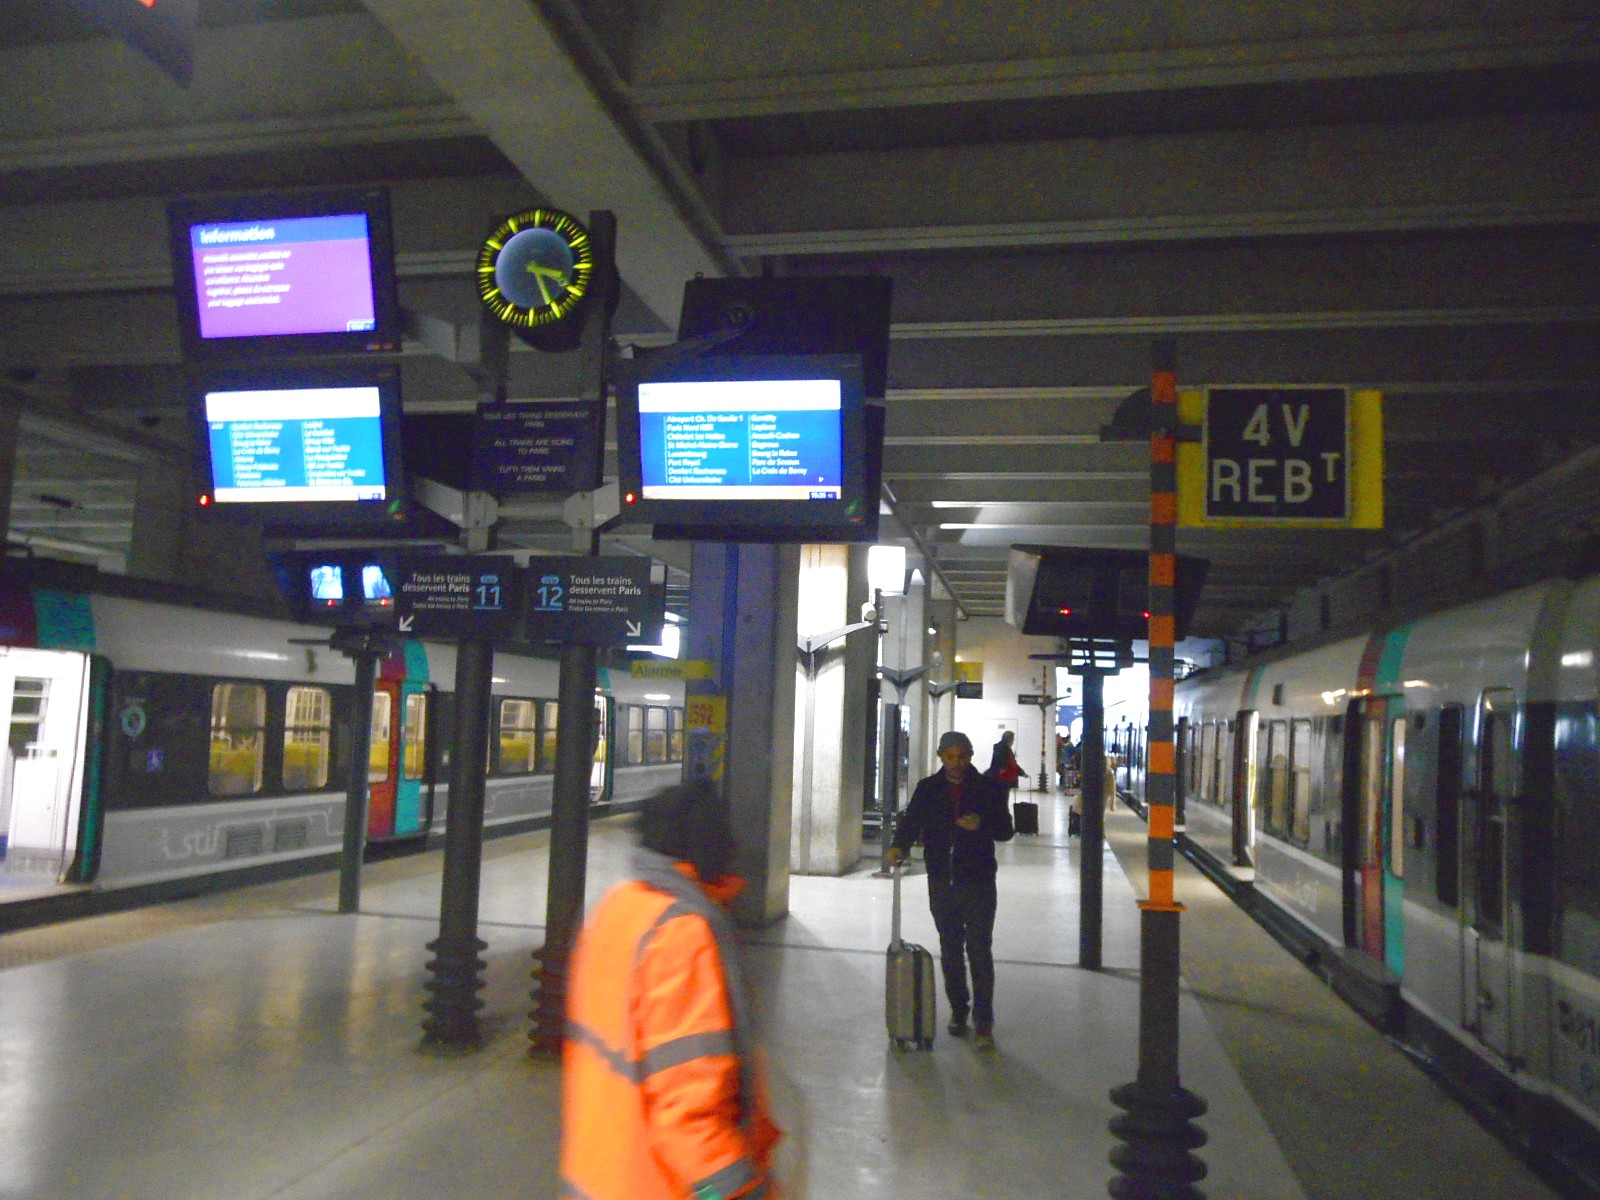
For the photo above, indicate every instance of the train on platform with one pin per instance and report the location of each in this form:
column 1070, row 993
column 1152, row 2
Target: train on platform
column 171, row 747
column 1417, row 812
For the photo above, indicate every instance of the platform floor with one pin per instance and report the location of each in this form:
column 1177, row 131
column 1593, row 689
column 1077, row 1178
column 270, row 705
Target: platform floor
column 256, row 1044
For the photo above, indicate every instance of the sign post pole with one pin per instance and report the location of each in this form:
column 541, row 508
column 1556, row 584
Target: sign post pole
column 453, row 1010
column 575, row 734
column 364, row 648
column 569, row 845
column 1157, row 1126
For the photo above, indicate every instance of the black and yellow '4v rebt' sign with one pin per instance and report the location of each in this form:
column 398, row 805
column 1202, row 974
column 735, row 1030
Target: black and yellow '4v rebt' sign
column 535, row 268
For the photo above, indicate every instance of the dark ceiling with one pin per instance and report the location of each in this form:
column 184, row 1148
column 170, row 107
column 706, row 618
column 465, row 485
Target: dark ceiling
column 1404, row 198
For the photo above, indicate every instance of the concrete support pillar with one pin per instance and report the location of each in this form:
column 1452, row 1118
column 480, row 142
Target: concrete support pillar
column 939, row 652
column 8, row 464
column 830, row 707
column 173, row 541
column 742, row 618
column 160, row 495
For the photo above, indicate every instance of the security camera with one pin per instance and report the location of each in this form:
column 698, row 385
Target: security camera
column 868, row 612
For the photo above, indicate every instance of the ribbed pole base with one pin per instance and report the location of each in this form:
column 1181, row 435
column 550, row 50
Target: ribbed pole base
column 549, row 1003
column 457, row 978
column 1158, row 1129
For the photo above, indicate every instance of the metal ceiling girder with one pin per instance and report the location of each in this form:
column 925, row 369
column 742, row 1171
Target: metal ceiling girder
column 504, row 65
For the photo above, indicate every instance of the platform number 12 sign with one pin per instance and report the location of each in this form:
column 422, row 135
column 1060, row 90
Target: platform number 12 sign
column 549, row 595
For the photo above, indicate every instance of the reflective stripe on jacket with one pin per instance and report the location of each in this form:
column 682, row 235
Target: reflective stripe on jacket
column 662, row 1097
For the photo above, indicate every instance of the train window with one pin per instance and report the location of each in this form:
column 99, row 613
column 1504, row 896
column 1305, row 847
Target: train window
column 1370, row 852
column 1497, row 773
column 518, row 726
column 382, row 732
column 238, row 738
column 635, row 743
column 1275, row 777
column 675, row 735
column 444, row 719
column 600, row 736
column 655, row 735
column 1397, row 797
column 414, row 732
column 307, row 738
column 1498, row 765
column 28, row 698
column 1300, row 752
column 549, row 711
column 1447, row 802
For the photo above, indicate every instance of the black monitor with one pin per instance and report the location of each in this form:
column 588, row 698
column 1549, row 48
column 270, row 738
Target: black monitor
column 279, row 275
column 304, row 449
column 338, row 587
column 771, row 448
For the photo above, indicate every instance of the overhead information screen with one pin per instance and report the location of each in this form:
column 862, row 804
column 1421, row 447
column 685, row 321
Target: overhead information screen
column 770, row 439
column 296, row 444
column 290, row 275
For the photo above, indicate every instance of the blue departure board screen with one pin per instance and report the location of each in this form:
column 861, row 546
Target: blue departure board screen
column 768, row 439
column 307, row 444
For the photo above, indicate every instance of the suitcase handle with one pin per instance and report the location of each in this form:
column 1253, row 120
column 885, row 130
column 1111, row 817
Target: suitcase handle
column 895, row 941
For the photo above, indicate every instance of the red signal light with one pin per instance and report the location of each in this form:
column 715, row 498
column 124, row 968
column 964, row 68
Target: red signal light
column 1066, row 612
column 205, row 501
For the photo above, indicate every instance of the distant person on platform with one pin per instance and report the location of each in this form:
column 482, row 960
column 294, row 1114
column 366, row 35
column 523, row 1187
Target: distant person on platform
column 1066, row 757
column 663, row 1095
column 960, row 814
column 1003, row 764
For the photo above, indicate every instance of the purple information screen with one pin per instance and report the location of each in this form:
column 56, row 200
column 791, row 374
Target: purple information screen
column 284, row 276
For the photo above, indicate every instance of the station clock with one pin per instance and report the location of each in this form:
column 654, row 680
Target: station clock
column 535, row 268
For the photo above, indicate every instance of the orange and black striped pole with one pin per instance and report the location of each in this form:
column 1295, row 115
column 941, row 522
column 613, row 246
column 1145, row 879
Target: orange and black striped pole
column 1157, row 1126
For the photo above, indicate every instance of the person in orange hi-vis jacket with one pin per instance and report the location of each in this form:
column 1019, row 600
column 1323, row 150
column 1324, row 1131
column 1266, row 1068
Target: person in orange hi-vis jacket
column 663, row 1092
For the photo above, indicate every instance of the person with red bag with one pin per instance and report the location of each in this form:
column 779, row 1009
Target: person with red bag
column 1003, row 765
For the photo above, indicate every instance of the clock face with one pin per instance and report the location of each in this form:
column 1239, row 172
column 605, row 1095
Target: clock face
column 535, row 268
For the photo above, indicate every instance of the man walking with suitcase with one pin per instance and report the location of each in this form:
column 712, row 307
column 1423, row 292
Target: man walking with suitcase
column 960, row 814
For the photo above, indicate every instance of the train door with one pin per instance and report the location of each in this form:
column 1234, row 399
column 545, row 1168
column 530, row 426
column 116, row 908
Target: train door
column 1486, row 957
column 411, row 811
column 1374, row 821
column 381, row 759
column 43, row 695
column 1243, row 775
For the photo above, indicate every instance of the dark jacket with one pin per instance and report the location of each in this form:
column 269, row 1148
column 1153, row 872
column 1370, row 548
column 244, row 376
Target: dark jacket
column 953, row 852
column 1000, row 757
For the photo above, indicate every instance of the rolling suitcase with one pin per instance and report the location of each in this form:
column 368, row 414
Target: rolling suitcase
column 1025, row 816
column 910, row 1006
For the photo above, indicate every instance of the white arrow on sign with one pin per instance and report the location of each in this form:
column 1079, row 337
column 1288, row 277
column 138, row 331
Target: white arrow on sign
column 405, row 623
column 635, row 629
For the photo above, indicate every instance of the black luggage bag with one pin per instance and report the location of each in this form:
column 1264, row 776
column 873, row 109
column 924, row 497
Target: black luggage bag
column 1025, row 815
column 1074, row 823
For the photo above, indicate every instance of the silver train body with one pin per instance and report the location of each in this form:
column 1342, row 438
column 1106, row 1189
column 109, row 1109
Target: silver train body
column 1418, row 812
column 153, row 743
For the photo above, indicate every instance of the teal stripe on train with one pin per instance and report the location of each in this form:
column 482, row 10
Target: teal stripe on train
column 64, row 620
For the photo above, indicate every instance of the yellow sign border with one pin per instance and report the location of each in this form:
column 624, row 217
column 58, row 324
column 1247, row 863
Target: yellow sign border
column 1366, row 470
